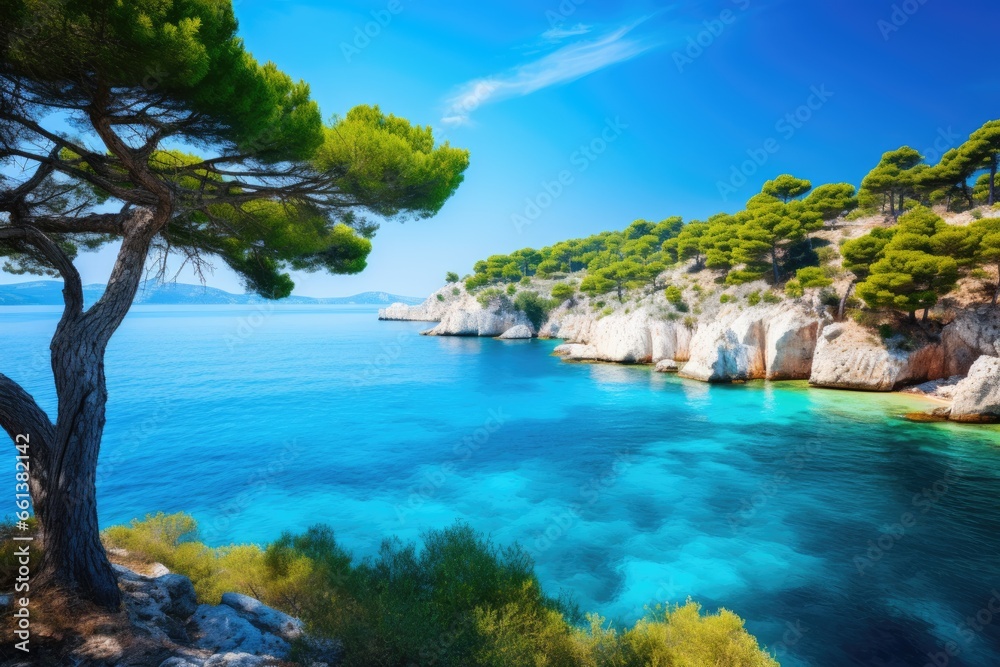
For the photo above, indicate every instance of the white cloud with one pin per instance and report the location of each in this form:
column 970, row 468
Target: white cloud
column 568, row 63
column 560, row 33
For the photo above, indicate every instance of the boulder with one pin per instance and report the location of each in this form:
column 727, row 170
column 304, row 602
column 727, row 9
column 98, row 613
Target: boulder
column 977, row 397
column 942, row 390
column 667, row 366
column 221, row 629
column 629, row 338
column 850, row 357
column 519, row 332
column 263, row 617
column 972, row 334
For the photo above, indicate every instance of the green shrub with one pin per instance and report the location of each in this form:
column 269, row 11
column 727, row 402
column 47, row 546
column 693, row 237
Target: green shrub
column 676, row 298
column 753, row 298
column 977, row 214
column 690, row 322
column 725, row 298
column 793, row 289
column 440, row 297
column 812, row 276
column 525, row 280
column 458, row 600
column 451, row 277
column 493, row 296
column 979, row 274
column 455, row 291
column 770, row 297
column 563, row 291
column 511, row 289
column 535, row 307
column 886, row 331
column 826, row 254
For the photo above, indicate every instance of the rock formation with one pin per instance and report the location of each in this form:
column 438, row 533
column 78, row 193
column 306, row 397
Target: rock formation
column 977, row 397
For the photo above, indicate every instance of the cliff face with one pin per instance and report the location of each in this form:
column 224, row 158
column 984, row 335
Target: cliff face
column 794, row 339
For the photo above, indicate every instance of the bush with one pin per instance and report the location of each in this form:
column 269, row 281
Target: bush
column 770, row 297
column 525, row 280
column 886, row 331
column 725, row 298
column 458, row 600
column 440, row 297
column 676, row 298
column 534, row 307
column 493, row 297
column 563, row 291
column 793, row 289
column 813, row 276
column 451, row 277
column 455, row 291
column 753, row 298
column 511, row 289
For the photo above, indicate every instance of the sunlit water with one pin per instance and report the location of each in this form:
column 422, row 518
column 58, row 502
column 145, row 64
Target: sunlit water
column 842, row 534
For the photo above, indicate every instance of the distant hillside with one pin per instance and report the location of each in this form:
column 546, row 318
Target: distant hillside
column 49, row 293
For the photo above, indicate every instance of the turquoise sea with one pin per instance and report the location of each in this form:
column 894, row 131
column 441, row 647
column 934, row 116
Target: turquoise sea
column 842, row 534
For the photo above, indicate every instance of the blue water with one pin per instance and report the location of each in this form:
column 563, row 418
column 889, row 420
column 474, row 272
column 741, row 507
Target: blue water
column 629, row 488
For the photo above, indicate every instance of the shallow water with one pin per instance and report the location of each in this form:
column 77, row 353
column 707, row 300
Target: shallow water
column 842, row 534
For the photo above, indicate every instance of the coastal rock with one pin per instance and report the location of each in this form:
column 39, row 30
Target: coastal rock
column 221, row 629
column 469, row 318
column 631, row 338
column 977, row 397
column 166, row 618
column 942, row 389
column 431, row 310
column 667, row 366
column 971, row 335
column 519, row 332
column 774, row 343
column 849, row 357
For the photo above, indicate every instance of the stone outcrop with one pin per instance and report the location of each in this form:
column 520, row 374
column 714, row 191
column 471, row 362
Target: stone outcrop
column 940, row 390
column 774, row 343
column 519, row 332
column 630, row 338
column 431, row 310
column 850, row 357
column 170, row 629
column 977, row 397
column 667, row 366
column 468, row 318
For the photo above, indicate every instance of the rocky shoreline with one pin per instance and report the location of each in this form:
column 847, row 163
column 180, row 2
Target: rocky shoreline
column 791, row 339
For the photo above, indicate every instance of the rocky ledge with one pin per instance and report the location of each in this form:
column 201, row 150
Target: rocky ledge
column 170, row 629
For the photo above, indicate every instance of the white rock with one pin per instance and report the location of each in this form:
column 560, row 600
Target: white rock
column 264, row 617
column 519, row 332
column 977, row 397
column 667, row 366
column 222, row 630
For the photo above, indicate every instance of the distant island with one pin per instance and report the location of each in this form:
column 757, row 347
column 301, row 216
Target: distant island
column 49, row 293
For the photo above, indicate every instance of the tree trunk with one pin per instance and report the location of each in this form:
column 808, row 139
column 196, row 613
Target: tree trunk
column 66, row 508
column 892, row 205
column 913, row 316
column 843, row 300
column 996, row 294
column 64, row 464
column 926, row 311
column 774, row 264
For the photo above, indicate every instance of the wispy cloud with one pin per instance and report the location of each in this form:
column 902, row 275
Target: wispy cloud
column 568, row 63
column 560, row 33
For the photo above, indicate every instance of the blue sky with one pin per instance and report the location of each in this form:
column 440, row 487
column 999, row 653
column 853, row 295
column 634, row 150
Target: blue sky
column 640, row 108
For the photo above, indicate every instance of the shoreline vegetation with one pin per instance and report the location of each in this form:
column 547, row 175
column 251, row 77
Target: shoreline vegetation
column 455, row 599
column 890, row 287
